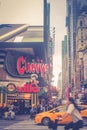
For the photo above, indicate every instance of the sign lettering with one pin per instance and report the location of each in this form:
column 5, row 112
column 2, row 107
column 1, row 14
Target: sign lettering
column 24, row 67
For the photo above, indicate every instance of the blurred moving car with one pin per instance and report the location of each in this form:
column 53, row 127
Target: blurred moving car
column 45, row 117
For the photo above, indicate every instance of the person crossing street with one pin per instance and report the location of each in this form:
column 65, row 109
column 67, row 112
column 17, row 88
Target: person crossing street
column 75, row 113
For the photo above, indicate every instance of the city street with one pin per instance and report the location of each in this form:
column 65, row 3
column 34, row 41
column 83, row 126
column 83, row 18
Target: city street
column 24, row 123
column 43, row 64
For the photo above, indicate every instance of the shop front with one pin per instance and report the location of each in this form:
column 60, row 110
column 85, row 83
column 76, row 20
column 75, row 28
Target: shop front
column 21, row 77
column 3, row 96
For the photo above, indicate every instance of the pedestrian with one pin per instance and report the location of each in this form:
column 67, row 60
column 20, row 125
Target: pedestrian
column 33, row 111
column 53, row 124
column 77, row 121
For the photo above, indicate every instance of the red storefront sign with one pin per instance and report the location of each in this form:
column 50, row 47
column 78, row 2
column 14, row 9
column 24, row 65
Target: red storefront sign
column 25, row 67
column 29, row 88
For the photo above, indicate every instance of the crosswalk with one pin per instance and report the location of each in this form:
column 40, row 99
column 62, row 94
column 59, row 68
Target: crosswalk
column 30, row 125
column 25, row 125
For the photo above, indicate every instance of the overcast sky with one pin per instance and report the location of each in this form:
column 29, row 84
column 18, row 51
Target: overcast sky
column 58, row 17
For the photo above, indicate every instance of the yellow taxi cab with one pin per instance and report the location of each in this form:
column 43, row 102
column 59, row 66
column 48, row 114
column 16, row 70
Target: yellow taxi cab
column 45, row 117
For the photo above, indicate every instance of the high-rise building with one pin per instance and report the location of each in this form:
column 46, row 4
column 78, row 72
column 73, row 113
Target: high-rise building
column 64, row 65
column 81, row 64
column 59, row 84
column 74, row 9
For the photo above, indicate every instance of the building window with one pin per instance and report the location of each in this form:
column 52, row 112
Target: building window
column 81, row 40
column 81, row 35
column 4, row 97
column 0, row 97
column 81, row 23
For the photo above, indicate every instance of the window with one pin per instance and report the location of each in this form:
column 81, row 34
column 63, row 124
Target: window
column 81, row 23
column 0, row 97
column 4, row 97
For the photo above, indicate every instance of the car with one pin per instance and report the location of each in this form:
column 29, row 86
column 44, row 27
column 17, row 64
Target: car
column 44, row 118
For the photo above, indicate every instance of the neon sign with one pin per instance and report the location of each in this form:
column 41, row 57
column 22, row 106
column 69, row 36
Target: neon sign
column 25, row 67
column 27, row 88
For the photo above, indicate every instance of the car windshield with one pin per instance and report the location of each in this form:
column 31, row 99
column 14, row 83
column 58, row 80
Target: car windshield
column 64, row 108
column 59, row 109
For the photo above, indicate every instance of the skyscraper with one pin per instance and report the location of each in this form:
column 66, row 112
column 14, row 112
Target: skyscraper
column 74, row 9
column 71, row 31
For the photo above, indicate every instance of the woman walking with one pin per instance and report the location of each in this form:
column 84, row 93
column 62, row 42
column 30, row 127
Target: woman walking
column 74, row 112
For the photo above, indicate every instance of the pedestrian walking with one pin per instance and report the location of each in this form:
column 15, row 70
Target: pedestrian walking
column 53, row 125
column 33, row 111
column 75, row 113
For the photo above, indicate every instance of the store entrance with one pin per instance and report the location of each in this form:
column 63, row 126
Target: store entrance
column 21, row 102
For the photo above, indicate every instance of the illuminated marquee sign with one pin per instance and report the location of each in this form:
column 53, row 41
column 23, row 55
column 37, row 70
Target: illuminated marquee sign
column 25, row 67
column 27, row 88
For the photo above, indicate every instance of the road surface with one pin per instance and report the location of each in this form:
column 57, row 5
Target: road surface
column 24, row 123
